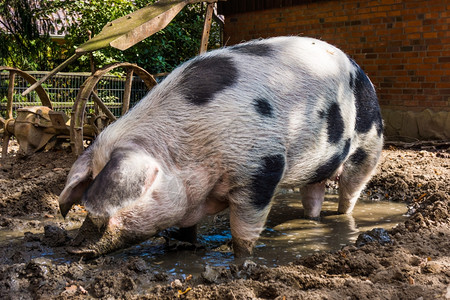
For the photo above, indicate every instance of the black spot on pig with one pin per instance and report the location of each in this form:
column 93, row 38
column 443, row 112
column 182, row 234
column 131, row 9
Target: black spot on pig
column 266, row 180
column 263, row 107
column 366, row 102
column 335, row 123
column 327, row 170
column 253, row 49
column 204, row 77
column 351, row 81
column 359, row 156
column 322, row 114
column 113, row 185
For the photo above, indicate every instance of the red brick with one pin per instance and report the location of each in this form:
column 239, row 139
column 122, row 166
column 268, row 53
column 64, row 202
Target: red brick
column 410, row 103
column 389, row 2
column 430, row 35
column 404, row 46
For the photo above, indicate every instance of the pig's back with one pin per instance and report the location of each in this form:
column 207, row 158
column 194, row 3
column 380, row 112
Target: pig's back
column 289, row 96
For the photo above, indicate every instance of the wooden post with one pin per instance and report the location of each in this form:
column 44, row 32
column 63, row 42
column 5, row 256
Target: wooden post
column 9, row 104
column 127, row 91
column 207, row 27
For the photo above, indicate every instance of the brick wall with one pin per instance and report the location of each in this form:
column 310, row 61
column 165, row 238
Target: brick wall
column 404, row 46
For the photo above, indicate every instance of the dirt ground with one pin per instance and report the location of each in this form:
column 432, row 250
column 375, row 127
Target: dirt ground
column 412, row 262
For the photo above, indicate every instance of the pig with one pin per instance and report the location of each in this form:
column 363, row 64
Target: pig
column 227, row 129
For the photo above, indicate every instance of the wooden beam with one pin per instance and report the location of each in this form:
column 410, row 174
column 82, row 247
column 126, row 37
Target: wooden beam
column 51, row 73
column 207, row 27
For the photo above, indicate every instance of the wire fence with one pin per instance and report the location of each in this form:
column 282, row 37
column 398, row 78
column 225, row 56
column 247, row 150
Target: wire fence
column 62, row 89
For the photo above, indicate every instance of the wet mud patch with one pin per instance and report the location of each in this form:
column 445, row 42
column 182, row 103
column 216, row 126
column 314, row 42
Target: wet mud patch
column 416, row 263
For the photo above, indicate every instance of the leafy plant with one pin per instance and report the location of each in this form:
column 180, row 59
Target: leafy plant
column 26, row 42
column 161, row 52
column 28, row 45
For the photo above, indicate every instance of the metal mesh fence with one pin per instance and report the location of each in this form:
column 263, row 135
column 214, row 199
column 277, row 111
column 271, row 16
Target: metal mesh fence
column 62, row 89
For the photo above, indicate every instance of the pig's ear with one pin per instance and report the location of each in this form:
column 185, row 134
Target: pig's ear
column 124, row 179
column 79, row 179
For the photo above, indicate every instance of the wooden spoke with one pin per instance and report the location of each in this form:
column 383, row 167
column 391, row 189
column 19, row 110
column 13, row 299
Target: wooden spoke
column 87, row 90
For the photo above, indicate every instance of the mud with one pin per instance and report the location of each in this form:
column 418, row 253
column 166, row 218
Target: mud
column 409, row 261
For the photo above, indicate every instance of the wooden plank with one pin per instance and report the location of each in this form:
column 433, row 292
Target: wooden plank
column 128, row 30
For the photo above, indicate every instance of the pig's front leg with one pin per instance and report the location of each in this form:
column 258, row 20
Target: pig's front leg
column 312, row 199
column 184, row 234
column 250, row 205
column 246, row 225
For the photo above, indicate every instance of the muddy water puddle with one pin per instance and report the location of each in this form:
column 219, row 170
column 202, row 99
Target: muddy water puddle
column 287, row 236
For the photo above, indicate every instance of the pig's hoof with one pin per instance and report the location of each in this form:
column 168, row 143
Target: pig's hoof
column 312, row 218
column 86, row 252
column 187, row 234
column 179, row 246
column 242, row 248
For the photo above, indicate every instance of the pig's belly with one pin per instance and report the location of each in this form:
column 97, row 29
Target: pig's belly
column 210, row 206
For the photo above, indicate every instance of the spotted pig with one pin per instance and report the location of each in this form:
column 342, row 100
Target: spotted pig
column 226, row 130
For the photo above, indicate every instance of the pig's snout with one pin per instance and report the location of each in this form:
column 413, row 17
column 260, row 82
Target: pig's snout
column 98, row 236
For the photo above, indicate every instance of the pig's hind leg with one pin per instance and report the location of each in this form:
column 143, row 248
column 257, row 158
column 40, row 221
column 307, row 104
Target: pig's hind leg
column 357, row 171
column 312, row 196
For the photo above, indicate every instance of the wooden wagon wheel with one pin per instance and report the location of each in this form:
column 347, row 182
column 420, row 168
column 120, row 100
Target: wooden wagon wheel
column 88, row 89
column 41, row 93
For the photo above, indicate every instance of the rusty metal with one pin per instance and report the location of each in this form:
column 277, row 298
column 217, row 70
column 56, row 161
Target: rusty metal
column 32, row 128
column 7, row 126
column 86, row 90
column 35, row 126
column 45, row 100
